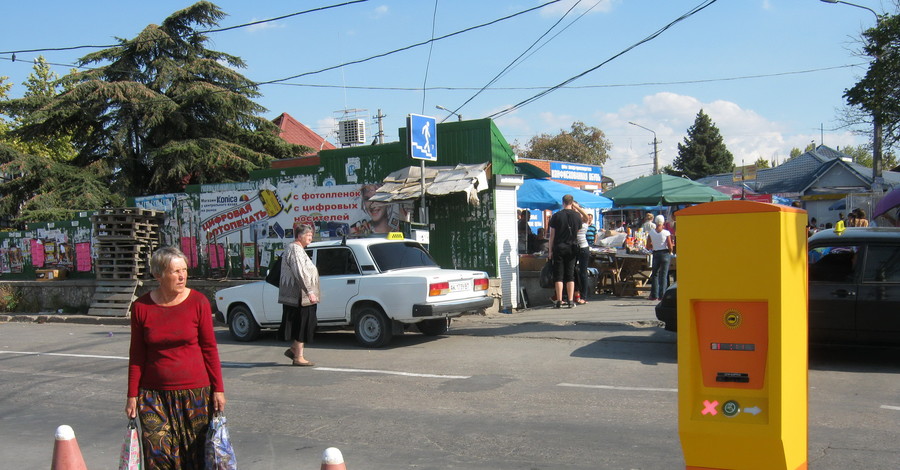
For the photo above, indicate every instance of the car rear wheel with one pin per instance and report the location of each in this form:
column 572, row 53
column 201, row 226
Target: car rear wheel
column 433, row 327
column 242, row 325
column 373, row 329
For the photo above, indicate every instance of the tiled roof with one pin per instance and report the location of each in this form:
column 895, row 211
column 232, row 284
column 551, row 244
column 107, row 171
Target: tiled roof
column 800, row 173
column 295, row 132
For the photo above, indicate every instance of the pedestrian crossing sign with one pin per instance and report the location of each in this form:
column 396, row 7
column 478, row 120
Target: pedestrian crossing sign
column 422, row 137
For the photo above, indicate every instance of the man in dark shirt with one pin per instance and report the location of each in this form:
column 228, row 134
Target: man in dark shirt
column 563, row 244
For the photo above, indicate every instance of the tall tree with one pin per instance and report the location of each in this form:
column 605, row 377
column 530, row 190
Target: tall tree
column 36, row 181
column 583, row 144
column 703, row 152
column 162, row 111
column 761, row 163
column 877, row 93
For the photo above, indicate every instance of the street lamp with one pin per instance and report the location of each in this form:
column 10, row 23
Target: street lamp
column 655, row 148
column 449, row 111
column 876, row 114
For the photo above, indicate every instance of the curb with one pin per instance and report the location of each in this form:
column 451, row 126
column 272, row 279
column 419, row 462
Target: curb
column 54, row 318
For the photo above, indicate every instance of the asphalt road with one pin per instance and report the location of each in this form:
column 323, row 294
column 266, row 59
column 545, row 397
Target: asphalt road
column 496, row 393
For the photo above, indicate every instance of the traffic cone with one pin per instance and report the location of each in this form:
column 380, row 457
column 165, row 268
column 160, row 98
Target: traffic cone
column 332, row 459
column 66, row 454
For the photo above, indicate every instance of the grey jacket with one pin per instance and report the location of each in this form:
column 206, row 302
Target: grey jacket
column 299, row 277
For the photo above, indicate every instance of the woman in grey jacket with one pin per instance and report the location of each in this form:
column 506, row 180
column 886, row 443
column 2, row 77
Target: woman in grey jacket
column 298, row 292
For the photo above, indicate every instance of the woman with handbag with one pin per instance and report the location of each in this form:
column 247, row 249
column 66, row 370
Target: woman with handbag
column 298, row 292
column 174, row 374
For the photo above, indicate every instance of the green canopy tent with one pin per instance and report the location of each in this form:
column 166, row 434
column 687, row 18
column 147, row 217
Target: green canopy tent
column 662, row 190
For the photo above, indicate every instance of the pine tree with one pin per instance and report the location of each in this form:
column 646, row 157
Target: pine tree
column 703, row 152
column 162, row 111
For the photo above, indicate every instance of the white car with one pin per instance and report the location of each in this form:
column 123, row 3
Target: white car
column 376, row 285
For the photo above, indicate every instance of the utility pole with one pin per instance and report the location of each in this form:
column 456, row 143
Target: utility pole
column 379, row 119
column 655, row 148
column 876, row 113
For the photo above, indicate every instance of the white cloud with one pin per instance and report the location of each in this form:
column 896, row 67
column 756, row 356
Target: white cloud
column 264, row 26
column 747, row 134
column 380, row 12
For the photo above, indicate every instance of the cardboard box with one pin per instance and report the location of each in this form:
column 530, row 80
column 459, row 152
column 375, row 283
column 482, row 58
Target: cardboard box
column 50, row 274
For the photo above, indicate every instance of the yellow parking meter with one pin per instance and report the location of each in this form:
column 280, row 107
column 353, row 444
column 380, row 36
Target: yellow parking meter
column 742, row 336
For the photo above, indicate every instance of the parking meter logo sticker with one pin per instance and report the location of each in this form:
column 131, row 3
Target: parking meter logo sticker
column 731, row 408
column 732, row 318
column 709, row 407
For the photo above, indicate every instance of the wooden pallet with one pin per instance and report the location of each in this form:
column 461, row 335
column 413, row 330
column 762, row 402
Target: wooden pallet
column 113, row 298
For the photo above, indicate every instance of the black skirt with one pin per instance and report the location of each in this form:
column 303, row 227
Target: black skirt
column 300, row 323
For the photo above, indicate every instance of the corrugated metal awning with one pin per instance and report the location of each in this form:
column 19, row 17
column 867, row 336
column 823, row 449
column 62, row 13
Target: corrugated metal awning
column 405, row 184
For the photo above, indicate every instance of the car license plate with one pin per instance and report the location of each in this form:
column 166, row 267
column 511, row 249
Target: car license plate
column 459, row 286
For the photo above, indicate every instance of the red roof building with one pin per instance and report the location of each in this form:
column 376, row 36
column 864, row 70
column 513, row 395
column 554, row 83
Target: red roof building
column 293, row 131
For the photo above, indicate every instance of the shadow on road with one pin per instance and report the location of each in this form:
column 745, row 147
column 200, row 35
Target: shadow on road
column 657, row 348
column 848, row 358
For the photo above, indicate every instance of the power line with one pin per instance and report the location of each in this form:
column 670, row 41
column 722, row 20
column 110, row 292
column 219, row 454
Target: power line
column 411, row 46
column 216, row 30
column 499, row 74
column 649, row 38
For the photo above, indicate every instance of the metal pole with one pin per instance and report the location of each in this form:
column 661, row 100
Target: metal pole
column 655, row 147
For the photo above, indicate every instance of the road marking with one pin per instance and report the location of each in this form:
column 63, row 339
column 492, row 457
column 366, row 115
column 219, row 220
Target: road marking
column 31, row 353
column 389, row 372
column 613, row 387
column 889, row 407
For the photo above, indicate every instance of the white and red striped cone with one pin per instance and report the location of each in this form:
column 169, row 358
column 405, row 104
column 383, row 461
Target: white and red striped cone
column 66, row 454
column 332, row 459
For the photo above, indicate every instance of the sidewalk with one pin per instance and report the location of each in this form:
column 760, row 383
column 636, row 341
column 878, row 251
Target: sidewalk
column 601, row 310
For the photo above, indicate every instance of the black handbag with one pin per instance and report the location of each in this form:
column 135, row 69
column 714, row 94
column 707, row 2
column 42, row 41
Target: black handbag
column 274, row 275
column 546, row 278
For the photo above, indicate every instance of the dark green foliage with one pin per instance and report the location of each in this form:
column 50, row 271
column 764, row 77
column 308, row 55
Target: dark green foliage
column 583, row 144
column 159, row 111
column 878, row 92
column 703, row 152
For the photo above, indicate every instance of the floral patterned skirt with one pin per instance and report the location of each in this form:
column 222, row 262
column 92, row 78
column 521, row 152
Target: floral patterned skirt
column 173, row 427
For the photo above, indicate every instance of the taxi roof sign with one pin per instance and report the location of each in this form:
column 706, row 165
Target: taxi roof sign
column 395, row 236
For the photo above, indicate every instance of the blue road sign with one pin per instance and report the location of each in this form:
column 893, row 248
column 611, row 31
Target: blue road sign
column 422, row 137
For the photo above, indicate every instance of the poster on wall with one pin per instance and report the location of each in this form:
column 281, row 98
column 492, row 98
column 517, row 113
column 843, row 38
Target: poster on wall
column 271, row 212
column 249, row 257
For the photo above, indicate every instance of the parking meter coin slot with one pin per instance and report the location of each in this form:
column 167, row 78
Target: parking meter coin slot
column 732, row 377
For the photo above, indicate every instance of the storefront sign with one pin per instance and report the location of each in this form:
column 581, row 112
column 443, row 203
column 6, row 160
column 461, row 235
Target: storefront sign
column 576, row 172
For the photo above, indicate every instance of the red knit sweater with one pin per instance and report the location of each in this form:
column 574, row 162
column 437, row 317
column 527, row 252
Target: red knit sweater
column 173, row 348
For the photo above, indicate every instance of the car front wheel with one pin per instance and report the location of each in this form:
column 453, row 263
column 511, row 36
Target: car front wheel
column 242, row 325
column 373, row 329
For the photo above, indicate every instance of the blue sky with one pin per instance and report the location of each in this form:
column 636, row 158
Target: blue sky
column 770, row 73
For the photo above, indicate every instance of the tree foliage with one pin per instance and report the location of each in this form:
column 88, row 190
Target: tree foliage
column 761, row 163
column 583, row 144
column 159, row 111
column 703, row 152
column 877, row 93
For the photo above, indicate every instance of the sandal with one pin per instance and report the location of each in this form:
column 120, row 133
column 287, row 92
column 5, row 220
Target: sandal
column 303, row 364
column 581, row 301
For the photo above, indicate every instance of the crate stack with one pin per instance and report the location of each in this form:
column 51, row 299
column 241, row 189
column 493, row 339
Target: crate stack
column 126, row 238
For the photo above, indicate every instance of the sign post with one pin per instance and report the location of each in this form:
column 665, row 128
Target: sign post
column 422, row 132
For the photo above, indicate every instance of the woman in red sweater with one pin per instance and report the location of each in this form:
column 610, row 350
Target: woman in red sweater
column 174, row 374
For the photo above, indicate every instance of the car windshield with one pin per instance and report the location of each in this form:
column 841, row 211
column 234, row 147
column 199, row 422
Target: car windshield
column 400, row 255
